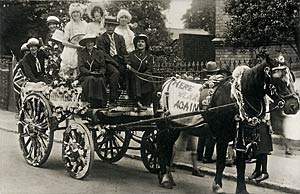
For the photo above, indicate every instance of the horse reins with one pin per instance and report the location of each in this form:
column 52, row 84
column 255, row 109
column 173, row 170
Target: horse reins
column 139, row 74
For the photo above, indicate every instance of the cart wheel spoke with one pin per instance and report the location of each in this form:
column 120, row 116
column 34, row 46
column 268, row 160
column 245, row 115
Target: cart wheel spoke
column 77, row 150
column 111, row 145
column 27, row 142
column 149, row 152
column 36, row 136
column 116, row 145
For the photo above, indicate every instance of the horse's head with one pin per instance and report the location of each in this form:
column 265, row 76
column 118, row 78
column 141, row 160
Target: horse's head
column 280, row 86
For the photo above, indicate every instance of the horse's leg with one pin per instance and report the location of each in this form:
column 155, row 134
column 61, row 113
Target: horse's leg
column 220, row 165
column 241, row 166
column 165, row 142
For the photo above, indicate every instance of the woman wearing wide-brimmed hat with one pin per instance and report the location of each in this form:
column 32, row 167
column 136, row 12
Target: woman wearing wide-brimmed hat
column 75, row 29
column 96, row 12
column 141, row 61
column 34, row 62
column 92, row 68
column 124, row 18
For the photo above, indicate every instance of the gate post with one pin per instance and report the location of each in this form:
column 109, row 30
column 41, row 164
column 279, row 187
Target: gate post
column 11, row 93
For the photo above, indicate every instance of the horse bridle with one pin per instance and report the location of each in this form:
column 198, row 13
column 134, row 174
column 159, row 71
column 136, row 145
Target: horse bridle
column 273, row 89
column 273, row 93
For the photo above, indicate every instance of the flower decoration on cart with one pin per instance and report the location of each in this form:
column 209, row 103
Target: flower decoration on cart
column 64, row 99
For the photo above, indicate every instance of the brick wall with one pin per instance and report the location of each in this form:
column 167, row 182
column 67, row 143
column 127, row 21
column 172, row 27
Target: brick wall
column 4, row 76
column 5, row 63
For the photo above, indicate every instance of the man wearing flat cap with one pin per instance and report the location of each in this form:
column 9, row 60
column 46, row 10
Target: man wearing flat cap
column 113, row 45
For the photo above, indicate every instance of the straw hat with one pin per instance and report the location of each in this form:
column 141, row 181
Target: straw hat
column 53, row 20
column 33, row 42
column 92, row 6
column 58, row 35
column 111, row 20
column 211, row 66
column 87, row 37
column 75, row 39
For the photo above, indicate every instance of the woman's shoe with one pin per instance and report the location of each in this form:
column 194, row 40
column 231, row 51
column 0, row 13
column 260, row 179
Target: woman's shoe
column 254, row 175
column 288, row 152
column 262, row 177
column 198, row 173
column 208, row 160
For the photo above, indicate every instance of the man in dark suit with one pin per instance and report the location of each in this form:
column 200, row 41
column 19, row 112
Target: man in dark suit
column 114, row 46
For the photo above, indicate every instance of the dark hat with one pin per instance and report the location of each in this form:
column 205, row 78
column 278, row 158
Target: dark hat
column 211, row 66
column 86, row 38
column 111, row 20
column 141, row 37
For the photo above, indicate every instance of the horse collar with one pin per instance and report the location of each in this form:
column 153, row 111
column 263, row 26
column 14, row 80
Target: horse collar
column 236, row 93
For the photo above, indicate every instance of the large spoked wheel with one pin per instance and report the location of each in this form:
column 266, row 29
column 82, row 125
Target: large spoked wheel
column 149, row 151
column 111, row 145
column 77, row 150
column 34, row 127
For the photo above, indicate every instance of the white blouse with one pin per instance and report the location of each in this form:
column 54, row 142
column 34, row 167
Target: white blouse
column 128, row 36
column 95, row 28
column 74, row 28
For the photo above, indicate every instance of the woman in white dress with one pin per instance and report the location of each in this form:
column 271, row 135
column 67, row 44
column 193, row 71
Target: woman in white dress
column 96, row 12
column 124, row 18
column 75, row 29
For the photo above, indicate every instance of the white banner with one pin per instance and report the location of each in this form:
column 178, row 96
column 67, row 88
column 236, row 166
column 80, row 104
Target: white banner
column 182, row 96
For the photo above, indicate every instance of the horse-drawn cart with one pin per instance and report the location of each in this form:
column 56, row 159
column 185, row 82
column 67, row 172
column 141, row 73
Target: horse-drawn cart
column 46, row 109
column 233, row 108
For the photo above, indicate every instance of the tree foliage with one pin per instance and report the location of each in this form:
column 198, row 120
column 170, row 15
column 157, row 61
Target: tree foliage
column 21, row 20
column 148, row 16
column 201, row 15
column 260, row 23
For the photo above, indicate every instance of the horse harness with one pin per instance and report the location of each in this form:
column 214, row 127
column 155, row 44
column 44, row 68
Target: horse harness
column 247, row 136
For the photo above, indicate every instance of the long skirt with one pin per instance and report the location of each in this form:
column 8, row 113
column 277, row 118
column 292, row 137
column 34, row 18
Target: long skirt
column 265, row 144
column 69, row 63
column 93, row 88
column 140, row 89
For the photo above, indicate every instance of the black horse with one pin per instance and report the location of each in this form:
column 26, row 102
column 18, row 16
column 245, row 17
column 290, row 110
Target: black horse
column 230, row 119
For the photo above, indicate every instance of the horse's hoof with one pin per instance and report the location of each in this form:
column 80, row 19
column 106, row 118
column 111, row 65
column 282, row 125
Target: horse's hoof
column 172, row 180
column 166, row 185
column 217, row 188
column 165, row 181
column 242, row 192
